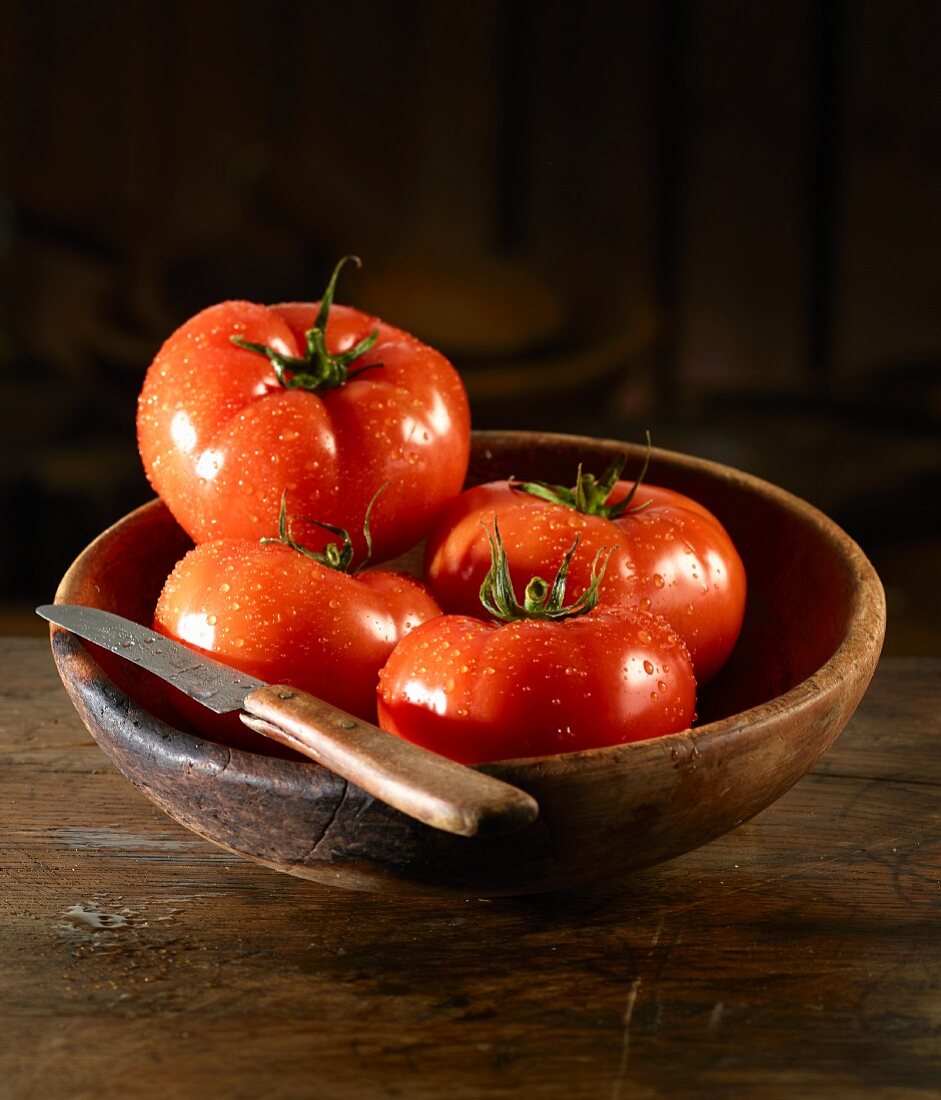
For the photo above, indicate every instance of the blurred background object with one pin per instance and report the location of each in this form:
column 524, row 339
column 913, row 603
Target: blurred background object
column 718, row 220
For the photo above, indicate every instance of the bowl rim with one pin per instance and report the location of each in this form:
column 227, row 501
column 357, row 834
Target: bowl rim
column 859, row 647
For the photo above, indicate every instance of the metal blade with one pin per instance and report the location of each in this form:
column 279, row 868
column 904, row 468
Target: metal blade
column 215, row 685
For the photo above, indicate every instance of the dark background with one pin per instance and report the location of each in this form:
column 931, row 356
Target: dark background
column 718, row 220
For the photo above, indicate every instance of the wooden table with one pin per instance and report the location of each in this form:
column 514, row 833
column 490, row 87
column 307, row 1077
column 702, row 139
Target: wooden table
column 797, row 956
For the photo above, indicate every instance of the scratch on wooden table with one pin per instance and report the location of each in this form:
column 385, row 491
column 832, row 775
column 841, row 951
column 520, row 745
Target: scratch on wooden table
column 626, row 1039
column 144, row 847
column 628, row 1017
column 715, row 1016
column 658, row 1003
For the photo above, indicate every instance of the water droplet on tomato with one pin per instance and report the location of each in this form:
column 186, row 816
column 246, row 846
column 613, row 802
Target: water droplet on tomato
column 211, row 619
column 648, row 668
column 657, row 581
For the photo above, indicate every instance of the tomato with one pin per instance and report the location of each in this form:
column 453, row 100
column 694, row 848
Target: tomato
column 275, row 612
column 672, row 556
column 245, row 402
column 535, row 685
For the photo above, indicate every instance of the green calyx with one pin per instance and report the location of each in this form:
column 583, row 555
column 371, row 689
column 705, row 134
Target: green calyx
column 317, row 370
column 590, row 494
column 335, row 555
column 541, row 600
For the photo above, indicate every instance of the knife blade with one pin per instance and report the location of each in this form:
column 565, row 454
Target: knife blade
column 430, row 788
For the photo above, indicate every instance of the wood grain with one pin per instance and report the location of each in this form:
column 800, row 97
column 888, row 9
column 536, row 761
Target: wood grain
column 798, row 955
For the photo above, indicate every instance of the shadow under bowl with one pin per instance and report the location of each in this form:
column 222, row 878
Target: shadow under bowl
column 813, row 631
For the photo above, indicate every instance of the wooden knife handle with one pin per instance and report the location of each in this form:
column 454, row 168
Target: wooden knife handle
column 427, row 787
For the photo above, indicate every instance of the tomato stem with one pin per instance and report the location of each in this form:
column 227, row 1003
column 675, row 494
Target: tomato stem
column 335, row 555
column 589, row 495
column 317, row 369
column 540, row 600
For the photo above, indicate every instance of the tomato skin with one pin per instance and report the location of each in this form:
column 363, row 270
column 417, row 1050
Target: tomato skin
column 673, row 558
column 221, row 439
column 277, row 615
column 478, row 691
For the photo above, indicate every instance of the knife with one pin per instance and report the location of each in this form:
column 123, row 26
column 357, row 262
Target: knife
column 419, row 783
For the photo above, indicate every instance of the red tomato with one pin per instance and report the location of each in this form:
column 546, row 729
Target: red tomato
column 533, row 686
column 672, row 556
column 274, row 613
column 325, row 403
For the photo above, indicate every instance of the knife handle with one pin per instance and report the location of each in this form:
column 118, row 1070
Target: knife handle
column 419, row 783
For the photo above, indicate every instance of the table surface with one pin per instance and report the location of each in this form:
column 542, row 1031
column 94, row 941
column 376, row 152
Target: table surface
column 799, row 954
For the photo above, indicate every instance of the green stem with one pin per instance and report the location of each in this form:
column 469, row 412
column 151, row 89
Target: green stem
column 317, row 370
column 335, row 555
column 540, row 600
column 590, row 494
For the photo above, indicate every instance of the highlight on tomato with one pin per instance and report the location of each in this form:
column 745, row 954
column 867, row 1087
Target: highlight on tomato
column 672, row 556
column 245, row 402
column 541, row 677
column 277, row 610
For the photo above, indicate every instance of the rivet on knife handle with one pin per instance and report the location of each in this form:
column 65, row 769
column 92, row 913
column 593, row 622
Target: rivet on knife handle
column 419, row 783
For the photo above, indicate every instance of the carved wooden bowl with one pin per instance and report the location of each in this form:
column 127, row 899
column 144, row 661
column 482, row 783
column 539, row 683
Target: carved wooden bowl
column 813, row 631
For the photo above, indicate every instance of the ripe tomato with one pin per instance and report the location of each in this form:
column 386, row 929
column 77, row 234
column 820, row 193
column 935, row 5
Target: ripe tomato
column 672, row 556
column 531, row 686
column 319, row 400
column 273, row 611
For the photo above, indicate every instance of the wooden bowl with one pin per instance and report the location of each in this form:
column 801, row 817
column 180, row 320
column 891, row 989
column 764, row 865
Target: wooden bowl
column 813, row 632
